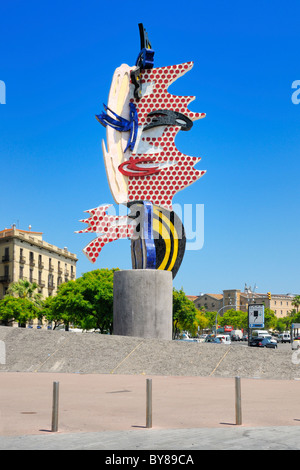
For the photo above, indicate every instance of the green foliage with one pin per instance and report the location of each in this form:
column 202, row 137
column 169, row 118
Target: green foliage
column 235, row 318
column 211, row 319
column 86, row 302
column 270, row 319
column 185, row 315
column 283, row 324
column 19, row 309
column 296, row 302
column 25, row 290
column 238, row 319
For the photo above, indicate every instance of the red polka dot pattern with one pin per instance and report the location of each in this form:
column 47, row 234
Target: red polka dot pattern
column 180, row 172
column 110, row 227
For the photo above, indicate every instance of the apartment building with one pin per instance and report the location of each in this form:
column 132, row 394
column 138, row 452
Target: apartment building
column 281, row 304
column 211, row 302
column 25, row 255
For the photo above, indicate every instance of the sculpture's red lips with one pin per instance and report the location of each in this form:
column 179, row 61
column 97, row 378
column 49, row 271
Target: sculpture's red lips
column 131, row 168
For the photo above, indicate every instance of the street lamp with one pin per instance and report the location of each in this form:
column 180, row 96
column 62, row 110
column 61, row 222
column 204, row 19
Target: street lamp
column 225, row 306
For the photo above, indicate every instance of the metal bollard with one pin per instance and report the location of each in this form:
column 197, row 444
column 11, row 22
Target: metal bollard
column 54, row 426
column 238, row 401
column 148, row 403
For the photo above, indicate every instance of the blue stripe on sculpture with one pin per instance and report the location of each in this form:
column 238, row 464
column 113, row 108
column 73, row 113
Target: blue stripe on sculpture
column 148, row 235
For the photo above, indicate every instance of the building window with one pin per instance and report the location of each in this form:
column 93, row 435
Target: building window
column 41, row 264
column 50, row 280
column 30, row 275
column 6, row 254
column 21, row 272
column 6, row 272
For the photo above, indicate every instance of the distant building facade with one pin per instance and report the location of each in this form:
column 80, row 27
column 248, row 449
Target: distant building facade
column 281, row 304
column 25, row 255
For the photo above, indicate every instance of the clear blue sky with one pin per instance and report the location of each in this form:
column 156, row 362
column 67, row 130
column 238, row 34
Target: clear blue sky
column 57, row 61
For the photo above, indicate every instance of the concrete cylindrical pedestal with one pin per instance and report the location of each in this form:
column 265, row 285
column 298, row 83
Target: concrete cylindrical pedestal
column 143, row 303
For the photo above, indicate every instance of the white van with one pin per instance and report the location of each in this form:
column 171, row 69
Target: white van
column 224, row 339
column 260, row 333
column 284, row 338
column 236, row 335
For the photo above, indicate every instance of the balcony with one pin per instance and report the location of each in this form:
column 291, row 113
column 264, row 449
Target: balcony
column 51, row 267
column 31, row 262
column 41, row 283
column 5, row 278
column 5, row 259
column 22, row 260
column 41, row 265
column 51, row 285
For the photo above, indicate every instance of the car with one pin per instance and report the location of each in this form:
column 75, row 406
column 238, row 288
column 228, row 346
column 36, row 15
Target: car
column 268, row 343
column 245, row 338
column 209, row 338
column 261, row 342
column 224, row 339
column 255, row 341
column 271, row 338
column 202, row 338
column 215, row 341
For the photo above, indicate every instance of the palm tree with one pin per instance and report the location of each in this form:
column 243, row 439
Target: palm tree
column 296, row 301
column 26, row 290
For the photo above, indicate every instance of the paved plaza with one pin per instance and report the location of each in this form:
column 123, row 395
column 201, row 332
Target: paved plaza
column 98, row 411
column 102, row 393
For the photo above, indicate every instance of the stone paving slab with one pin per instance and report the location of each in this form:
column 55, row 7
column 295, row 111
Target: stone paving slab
column 242, row 438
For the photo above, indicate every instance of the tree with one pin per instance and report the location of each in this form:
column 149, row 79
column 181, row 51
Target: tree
column 52, row 315
column 270, row 319
column 184, row 313
column 25, row 290
column 86, row 302
column 283, row 324
column 211, row 319
column 296, row 302
column 201, row 321
column 235, row 318
column 19, row 309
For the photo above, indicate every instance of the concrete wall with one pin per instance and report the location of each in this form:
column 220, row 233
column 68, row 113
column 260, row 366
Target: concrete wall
column 143, row 303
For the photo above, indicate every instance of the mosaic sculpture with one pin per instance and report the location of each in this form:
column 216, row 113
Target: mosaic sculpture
column 143, row 166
